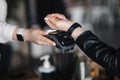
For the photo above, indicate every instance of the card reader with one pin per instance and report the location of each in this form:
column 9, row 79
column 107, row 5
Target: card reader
column 63, row 42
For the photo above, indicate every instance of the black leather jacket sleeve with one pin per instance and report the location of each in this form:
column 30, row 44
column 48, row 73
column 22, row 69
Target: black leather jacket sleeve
column 100, row 52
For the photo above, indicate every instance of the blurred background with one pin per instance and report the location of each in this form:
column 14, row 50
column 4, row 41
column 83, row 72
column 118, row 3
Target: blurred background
column 102, row 17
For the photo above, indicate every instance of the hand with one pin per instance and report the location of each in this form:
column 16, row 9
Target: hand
column 58, row 22
column 36, row 36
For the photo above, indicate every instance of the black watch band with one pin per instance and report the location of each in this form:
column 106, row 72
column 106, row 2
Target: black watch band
column 20, row 37
column 19, row 34
column 72, row 28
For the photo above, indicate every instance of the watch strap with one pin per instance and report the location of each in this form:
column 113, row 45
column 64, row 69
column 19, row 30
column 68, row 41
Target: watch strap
column 20, row 34
column 72, row 28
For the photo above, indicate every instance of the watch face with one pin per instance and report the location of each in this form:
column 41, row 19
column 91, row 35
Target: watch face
column 20, row 37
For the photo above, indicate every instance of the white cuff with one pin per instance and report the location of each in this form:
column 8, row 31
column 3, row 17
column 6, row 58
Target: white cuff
column 7, row 31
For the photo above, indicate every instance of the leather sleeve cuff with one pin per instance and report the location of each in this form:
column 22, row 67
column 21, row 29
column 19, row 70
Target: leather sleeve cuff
column 85, row 36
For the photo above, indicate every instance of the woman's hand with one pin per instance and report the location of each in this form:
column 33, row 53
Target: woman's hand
column 58, row 22
column 36, row 36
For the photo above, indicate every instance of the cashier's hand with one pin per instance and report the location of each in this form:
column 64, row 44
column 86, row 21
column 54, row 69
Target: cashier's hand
column 36, row 36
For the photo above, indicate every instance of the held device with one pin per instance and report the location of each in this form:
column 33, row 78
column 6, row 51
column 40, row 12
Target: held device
column 63, row 42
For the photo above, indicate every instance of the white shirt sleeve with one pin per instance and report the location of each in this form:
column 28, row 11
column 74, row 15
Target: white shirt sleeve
column 6, row 30
column 3, row 10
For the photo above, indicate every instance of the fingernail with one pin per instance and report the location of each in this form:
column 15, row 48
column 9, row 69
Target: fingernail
column 52, row 14
column 46, row 18
column 54, row 44
column 47, row 32
column 62, row 17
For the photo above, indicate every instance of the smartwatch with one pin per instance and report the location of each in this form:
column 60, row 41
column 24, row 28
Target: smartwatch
column 19, row 34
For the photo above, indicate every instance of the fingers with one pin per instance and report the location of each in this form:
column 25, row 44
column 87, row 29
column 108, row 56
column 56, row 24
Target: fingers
column 51, row 19
column 55, row 20
column 38, row 36
column 41, row 32
column 49, row 23
column 42, row 40
column 56, row 15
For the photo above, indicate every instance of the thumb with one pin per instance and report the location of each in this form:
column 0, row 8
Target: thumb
column 50, row 23
column 52, row 20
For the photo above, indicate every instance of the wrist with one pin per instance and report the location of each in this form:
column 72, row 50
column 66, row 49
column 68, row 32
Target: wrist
column 20, row 34
column 78, row 31
column 69, row 24
column 26, row 35
column 73, row 28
